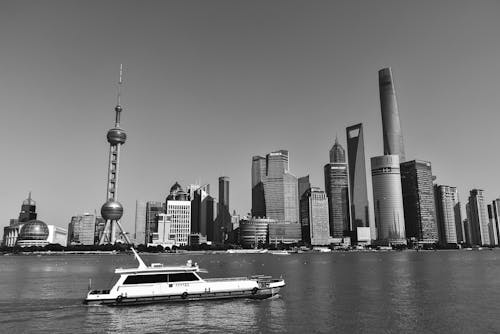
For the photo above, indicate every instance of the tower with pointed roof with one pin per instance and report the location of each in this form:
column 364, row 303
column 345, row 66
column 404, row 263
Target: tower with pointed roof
column 28, row 210
column 337, row 192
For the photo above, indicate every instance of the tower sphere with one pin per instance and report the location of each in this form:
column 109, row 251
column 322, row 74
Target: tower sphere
column 118, row 108
column 112, row 210
column 116, row 136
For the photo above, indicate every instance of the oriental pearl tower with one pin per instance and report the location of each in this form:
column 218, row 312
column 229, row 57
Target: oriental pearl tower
column 112, row 210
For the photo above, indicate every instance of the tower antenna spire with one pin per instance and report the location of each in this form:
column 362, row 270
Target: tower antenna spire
column 120, row 81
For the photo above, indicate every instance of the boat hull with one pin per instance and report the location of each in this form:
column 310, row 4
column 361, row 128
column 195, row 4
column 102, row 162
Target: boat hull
column 261, row 293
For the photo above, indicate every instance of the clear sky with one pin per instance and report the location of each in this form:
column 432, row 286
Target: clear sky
column 209, row 84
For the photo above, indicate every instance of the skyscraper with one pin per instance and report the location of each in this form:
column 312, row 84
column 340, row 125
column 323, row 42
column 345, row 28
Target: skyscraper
column 393, row 137
column 388, row 200
column 202, row 209
column 357, row 176
column 112, row 210
column 223, row 224
column 337, row 191
column 304, row 185
column 280, row 189
column 418, row 201
column 448, row 215
column 477, row 218
column 492, row 225
column 496, row 215
column 140, row 222
column 314, row 217
column 258, row 175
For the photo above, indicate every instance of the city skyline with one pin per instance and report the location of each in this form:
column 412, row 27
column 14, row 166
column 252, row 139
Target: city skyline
column 198, row 94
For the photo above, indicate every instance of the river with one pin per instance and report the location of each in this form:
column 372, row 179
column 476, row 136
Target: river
column 351, row 292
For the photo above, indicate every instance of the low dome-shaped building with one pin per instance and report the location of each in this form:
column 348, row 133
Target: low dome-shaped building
column 33, row 233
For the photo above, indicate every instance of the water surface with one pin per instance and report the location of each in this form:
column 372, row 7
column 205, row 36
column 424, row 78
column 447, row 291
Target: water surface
column 384, row 292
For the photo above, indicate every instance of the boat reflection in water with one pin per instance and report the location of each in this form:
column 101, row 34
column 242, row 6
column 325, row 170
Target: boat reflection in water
column 158, row 283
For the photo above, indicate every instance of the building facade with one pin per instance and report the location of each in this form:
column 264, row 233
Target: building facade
column 280, row 189
column 492, row 230
column 140, row 222
column 223, row 226
column 496, row 215
column 304, row 185
column 81, row 230
column 418, row 201
column 388, row 200
column 314, row 217
column 153, row 209
column 258, row 175
column 449, row 215
column 285, row 233
column 391, row 126
column 337, row 192
column 357, row 176
column 254, row 231
column 477, row 217
column 202, row 210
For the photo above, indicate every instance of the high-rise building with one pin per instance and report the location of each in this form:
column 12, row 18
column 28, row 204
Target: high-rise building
column 81, row 230
column 223, row 226
column 178, row 217
column 280, row 189
column 202, row 210
column 337, row 191
column 258, row 175
column 492, row 225
column 314, row 217
column 418, row 201
column 449, row 215
column 496, row 215
column 153, row 209
column 357, row 176
column 388, row 199
column 391, row 126
column 304, row 184
column 173, row 222
column 112, row 210
column 477, row 218
column 140, row 222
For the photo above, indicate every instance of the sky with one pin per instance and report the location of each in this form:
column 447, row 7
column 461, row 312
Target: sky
column 209, row 83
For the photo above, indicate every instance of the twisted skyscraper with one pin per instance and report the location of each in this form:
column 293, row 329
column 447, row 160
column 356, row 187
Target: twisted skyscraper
column 393, row 137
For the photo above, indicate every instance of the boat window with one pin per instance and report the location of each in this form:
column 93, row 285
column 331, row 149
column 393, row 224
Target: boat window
column 143, row 279
column 182, row 277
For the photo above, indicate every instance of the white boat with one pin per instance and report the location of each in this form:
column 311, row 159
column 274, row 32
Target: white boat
column 279, row 252
column 158, row 283
column 246, row 251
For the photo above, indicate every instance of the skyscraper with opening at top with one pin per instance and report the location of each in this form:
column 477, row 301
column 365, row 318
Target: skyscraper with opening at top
column 357, row 176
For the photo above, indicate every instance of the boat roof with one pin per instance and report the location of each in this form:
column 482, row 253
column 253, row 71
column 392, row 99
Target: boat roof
column 157, row 269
